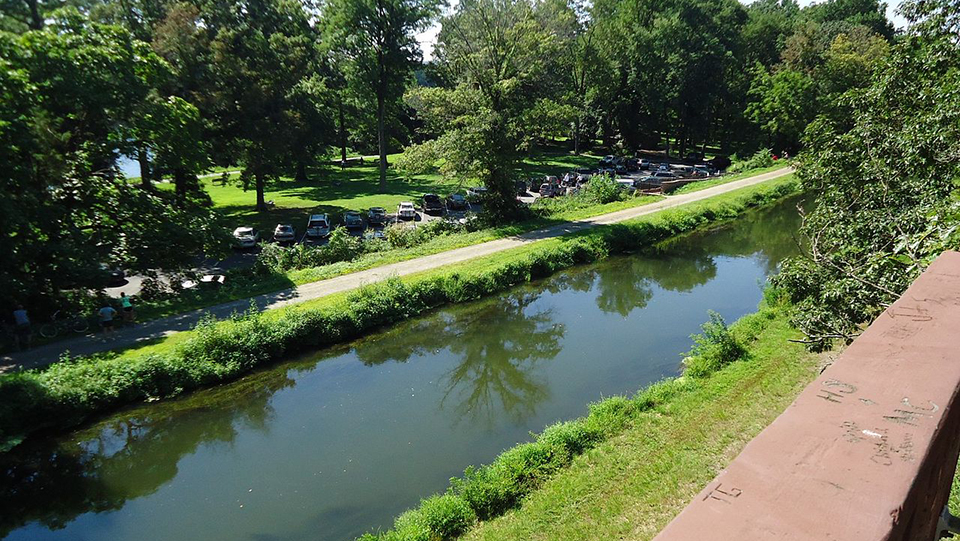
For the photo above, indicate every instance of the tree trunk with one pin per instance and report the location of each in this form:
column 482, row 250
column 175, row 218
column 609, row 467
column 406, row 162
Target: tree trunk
column 144, row 160
column 343, row 133
column 261, row 186
column 382, row 138
column 301, row 175
column 36, row 21
column 180, row 187
column 576, row 137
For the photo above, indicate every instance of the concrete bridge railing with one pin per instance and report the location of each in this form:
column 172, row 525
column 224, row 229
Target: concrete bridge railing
column 867, row 451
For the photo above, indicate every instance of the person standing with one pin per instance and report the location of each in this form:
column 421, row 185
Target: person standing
column 127, row 306
column 22, row 331
column 107, row 313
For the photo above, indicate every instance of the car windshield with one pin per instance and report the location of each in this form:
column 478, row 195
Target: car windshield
column 377, row 210
column 284, row 228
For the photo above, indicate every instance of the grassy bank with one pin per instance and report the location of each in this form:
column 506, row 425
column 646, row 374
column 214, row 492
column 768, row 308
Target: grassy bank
column 67, row 393
column 628, row 467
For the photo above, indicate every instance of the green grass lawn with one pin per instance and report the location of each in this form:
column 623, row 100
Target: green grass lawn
column 332, row 190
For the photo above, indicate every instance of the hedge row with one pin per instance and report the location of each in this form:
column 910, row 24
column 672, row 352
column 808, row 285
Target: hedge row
column 66, row 393
column 489, row 491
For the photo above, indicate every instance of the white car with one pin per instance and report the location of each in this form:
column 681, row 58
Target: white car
column 406, row 211
column 284, row 233
column 476, row 193
column 626, row 184
column 246, row 237
column 318, row 226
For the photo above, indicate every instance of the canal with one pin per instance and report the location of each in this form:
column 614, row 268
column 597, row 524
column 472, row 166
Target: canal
column 330, row 445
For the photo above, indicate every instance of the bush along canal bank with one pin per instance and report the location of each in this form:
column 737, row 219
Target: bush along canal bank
column 67, row 393
column 637, row 461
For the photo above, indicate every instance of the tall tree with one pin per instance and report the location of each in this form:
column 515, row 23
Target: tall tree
column 71, row 98
column 379, row 39
column 885, row 168
column 262, row 52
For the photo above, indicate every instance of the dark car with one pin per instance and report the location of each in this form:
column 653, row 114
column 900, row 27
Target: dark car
column 632, row 164
column 376, row 215
column 456, row 201
column 719, row 162
column 432, row 204
column 352, row 220
column 607, row 161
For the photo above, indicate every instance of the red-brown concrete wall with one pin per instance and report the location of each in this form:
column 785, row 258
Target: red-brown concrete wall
column 867, row 451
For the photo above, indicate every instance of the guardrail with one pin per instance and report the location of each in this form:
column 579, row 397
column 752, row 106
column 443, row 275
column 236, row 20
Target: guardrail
column 867, row 451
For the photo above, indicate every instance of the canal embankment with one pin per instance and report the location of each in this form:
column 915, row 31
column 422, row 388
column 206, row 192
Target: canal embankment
column 70, row 392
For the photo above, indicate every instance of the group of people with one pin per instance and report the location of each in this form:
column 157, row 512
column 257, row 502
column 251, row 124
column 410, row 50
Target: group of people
column 23, row 330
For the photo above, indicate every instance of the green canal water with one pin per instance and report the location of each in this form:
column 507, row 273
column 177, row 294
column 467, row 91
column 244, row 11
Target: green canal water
column 330, row 445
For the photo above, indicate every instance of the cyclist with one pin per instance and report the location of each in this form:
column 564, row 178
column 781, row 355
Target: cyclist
column 127, row 306
column 107, row 314
column 22, row 333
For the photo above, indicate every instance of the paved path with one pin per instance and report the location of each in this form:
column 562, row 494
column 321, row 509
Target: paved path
column 129, row 336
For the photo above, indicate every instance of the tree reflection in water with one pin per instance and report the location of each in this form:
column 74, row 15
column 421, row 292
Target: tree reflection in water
column 498, row 343
column 128, row 456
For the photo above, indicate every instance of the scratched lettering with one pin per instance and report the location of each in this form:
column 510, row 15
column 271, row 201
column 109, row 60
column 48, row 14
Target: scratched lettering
column 932, row 409
column 851, row 432
column 901, row 332
column 726, row 496
column 913, row 313
column 913, row 415
column 835, row 391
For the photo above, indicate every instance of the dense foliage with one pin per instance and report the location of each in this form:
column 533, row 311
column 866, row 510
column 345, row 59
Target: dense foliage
column 273, row 86
column 886, row 168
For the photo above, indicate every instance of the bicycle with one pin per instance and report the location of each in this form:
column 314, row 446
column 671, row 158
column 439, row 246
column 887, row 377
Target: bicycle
column 57, row 326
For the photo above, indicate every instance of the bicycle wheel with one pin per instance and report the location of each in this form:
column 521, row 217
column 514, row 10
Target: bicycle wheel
column 80, row 325
column 49, row 330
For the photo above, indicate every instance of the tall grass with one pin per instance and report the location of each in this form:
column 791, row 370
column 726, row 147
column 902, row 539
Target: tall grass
column 68, row 392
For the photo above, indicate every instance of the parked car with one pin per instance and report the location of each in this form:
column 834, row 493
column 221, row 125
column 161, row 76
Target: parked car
column 476, row 193
column 664, row 175
column 700, row 172
column 432, row 204
column 663, row 167
column 284, row 233
column 626, row 184
column 632, row 164
column 352, row 220
column 607, row 161
column 114, row 277
column 457, row 201
column 644, row 165
column 548, row 190
column 318, row 226
column 376, row 215
column 650, row 182
column 719, row 162
column 246, row 237
column 406, row 211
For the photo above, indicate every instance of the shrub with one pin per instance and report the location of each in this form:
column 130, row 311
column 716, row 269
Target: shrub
column 603, row 189
column 713, row 349
column 761, row 158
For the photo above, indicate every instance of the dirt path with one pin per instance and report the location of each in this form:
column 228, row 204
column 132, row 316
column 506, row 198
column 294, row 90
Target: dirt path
column 129, row 336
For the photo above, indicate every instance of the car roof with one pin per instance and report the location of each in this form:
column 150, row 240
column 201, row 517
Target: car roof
column 285, row 226
column 351, row 212
column 406, row 204
column 243, row 228
column 377, row 208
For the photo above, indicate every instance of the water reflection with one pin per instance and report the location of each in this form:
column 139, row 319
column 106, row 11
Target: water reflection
column 127, row 457
column 495, row 369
